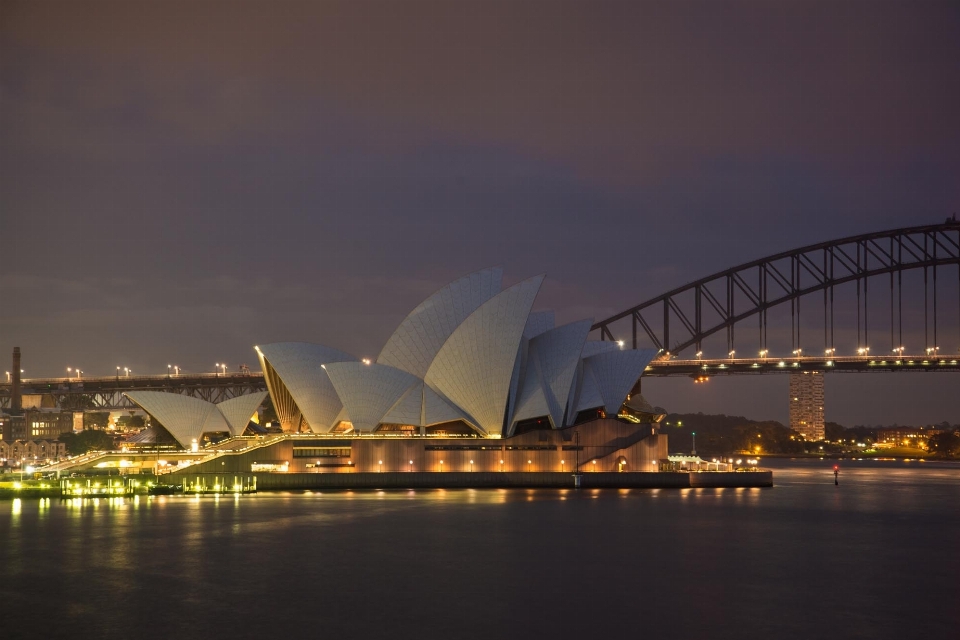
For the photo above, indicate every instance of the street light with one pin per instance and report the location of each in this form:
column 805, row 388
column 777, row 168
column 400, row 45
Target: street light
column 127, row 371
column 763, row 353
column 699, row 355
column 501, row 466
column 471, row 465
column 797, row 352
column 731, row 354
column 862, row 351
column 441, row 465
column 411, row 465
column 899, row 351
column 379, row 466
column 620, row 343
column 168, row 370
column 829, row 352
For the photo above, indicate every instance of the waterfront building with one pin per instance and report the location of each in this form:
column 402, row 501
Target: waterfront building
column 31, row 451
column 471, row 371
column 806, row 404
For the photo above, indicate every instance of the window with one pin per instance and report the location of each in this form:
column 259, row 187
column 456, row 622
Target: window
column 321, row 452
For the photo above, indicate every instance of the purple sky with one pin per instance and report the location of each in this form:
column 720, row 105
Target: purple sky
column 180, row 181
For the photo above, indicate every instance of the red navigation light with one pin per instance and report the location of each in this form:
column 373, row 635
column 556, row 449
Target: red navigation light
column 836, row 467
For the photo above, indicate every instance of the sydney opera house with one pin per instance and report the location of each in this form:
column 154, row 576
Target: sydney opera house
column 471, row 380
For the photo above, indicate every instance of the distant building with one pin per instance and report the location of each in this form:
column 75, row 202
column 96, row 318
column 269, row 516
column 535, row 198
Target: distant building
column 31, row 451
column 806, row 404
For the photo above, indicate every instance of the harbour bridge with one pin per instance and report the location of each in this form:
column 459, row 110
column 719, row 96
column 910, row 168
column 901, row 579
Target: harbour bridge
column 735, row 303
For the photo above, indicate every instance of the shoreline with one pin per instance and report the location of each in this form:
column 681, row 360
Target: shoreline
column 449, row 480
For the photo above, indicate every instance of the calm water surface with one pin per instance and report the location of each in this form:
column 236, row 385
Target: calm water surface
column 877, row 557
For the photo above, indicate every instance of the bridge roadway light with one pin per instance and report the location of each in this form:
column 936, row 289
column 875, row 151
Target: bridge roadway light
column 620, row 343
column 862, row 351
column 763, row 353
column 732, row 353
column 829, row 351
column 797, row 352
column 699, row 355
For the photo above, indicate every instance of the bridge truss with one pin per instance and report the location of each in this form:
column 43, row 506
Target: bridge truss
column 687, row 315
column 107, row 393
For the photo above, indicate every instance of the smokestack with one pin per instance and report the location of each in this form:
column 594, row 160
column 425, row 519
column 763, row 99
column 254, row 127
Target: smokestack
column 16, row 402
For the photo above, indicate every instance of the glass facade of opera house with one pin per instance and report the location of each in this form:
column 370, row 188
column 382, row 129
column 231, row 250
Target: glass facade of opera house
column 471, row 380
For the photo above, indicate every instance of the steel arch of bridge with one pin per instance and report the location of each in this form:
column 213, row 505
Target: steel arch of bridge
column 787, row 277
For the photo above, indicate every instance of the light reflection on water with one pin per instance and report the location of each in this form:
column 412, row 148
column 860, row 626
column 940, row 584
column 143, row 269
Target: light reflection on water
column 792, row 561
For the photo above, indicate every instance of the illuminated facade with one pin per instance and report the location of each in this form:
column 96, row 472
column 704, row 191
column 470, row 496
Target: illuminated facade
column 471, row 380
column 471, row 360
column 806, row 404
column 191, row 420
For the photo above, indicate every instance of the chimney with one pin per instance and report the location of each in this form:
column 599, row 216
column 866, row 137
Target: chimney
column 16, row 401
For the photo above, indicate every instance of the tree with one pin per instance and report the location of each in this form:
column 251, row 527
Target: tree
column 96, row 419
column 945, row 444
column 89, row 440
column 131, row 422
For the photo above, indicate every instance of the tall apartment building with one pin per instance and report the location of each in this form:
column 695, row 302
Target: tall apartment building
column 806, row 404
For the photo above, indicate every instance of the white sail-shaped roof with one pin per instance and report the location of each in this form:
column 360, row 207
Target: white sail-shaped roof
column 615, row 373
column 590, row 397
column 186, row 418
column 408, row 409
column 537, row 323
column 593, row 347
column 474, row 366
column 552, row 364
column 299, row 367
column 368, row 391
column 418, row 339
column 238, row 411
column 422, row 406
column 437, row 409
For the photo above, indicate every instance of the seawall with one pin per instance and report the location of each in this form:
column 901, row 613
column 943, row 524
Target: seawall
column 491, row 480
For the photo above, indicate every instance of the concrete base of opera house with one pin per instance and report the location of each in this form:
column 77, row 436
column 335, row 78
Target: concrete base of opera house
column 492, row 480
column 609, row 453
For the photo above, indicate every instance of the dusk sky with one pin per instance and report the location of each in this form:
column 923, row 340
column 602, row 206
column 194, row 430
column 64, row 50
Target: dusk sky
column 180, row 181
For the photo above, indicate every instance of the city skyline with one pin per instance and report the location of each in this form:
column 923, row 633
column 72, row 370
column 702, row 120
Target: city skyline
column 183, row 183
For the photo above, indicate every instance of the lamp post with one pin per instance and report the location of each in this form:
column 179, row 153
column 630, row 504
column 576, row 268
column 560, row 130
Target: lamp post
column 379, row 466
column 411, row 466
column 576, row 452
column 501, row 465
column 471, row 466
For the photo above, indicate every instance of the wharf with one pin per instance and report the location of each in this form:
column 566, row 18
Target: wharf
column 494, row 480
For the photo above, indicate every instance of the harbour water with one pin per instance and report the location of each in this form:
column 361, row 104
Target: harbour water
column 876, row 557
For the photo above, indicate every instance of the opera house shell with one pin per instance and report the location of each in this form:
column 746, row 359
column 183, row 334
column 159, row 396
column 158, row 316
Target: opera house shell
column 470, row 360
